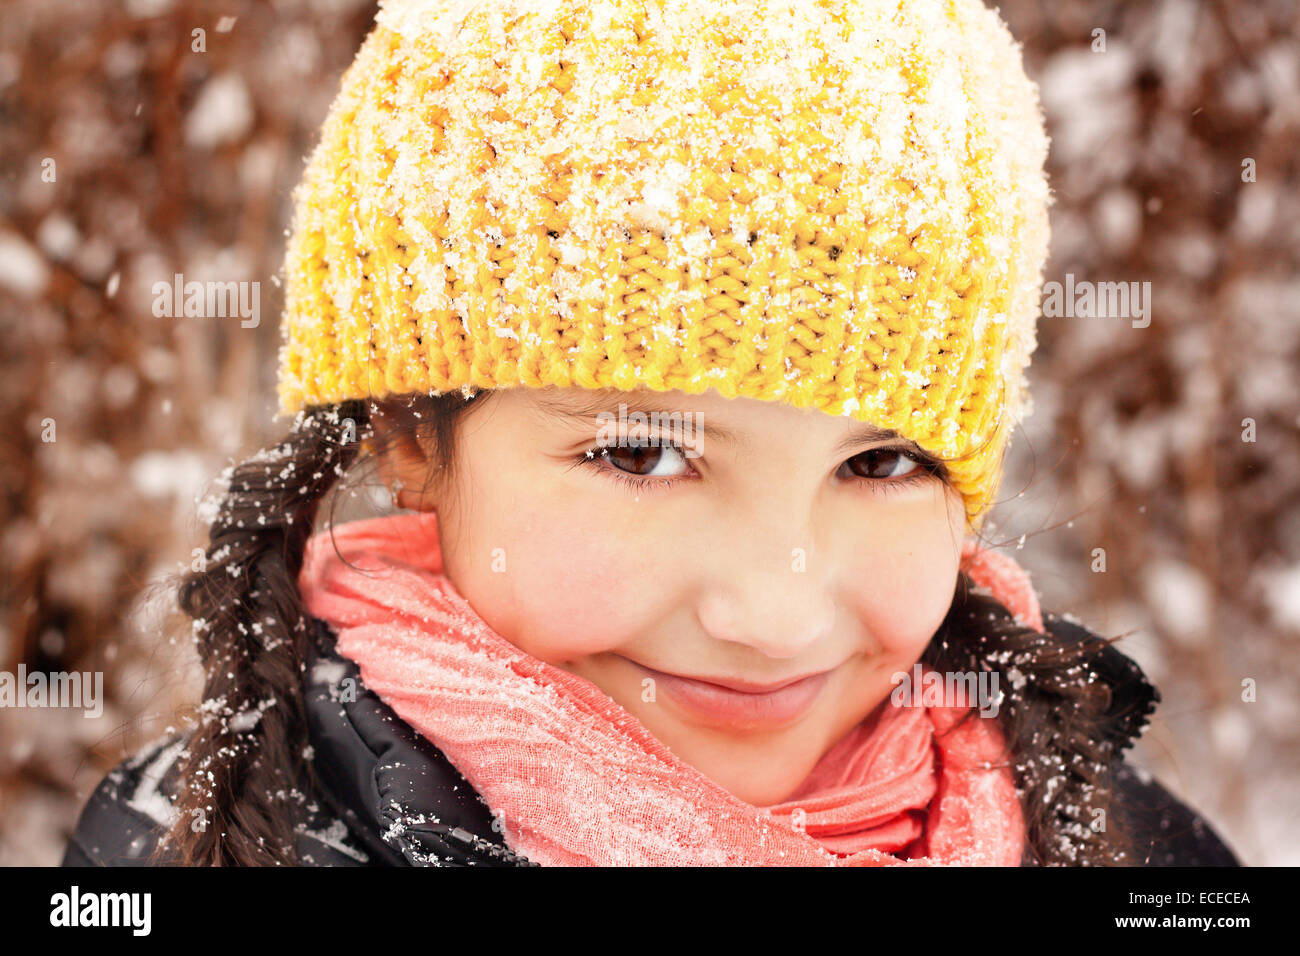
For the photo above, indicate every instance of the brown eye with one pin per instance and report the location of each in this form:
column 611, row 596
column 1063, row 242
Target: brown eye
column 882, row 463
column 650, row 461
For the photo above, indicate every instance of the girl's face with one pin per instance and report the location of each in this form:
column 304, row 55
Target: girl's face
column 743, row 543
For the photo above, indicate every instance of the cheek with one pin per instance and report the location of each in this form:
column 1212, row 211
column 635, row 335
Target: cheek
column 572, row 585
column 902, row 590
column 588, row 586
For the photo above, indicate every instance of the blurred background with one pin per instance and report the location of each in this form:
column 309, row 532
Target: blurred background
column 150, row 137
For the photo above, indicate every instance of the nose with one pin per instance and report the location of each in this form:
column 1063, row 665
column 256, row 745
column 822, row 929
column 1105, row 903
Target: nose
column 775, row 601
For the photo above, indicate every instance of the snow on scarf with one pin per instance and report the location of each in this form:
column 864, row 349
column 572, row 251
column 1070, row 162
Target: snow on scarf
column 578, row 780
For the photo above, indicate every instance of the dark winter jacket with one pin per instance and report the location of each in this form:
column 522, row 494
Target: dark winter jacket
column 385, row 796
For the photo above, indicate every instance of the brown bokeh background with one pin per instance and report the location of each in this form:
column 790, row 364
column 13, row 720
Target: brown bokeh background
column 169, row 159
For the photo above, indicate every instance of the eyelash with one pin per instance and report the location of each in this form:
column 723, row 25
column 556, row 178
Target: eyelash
column 890, row 485
column 926, row 469
column 592, row 459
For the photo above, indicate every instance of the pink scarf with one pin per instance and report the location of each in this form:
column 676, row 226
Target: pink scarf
column 577, row 780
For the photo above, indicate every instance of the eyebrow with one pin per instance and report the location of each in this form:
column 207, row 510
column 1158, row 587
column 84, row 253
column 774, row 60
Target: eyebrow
column 584, row 408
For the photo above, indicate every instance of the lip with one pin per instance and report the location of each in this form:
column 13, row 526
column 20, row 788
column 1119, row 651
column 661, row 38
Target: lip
column 736, row 704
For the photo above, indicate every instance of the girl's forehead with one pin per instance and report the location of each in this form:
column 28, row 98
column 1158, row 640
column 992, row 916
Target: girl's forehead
column 730, row 420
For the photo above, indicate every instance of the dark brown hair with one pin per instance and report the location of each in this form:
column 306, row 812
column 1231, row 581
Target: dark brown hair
column 245, row 776
column 1054, row 719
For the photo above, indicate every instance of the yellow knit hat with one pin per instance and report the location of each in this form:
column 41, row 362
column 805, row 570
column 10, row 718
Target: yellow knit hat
column 836, row 204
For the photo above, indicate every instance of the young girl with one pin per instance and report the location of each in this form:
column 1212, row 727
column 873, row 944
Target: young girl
column 688, row 337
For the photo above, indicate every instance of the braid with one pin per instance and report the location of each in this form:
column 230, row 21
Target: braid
column 1054, row 721
column 245, row 762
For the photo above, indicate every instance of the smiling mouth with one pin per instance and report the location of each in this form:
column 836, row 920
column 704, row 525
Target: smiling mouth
column 740, row 704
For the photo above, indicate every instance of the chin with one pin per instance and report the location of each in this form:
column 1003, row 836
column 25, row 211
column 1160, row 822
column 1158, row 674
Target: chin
column 751, row 785
column 763, row 777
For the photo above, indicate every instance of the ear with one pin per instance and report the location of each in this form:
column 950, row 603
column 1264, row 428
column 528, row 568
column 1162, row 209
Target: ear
column 401, row 462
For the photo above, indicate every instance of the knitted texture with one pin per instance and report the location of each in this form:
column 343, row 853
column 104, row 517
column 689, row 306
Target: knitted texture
column 836, row 204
